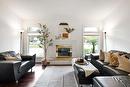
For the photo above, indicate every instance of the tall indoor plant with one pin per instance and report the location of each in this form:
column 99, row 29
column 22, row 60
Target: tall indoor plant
column 45, row 41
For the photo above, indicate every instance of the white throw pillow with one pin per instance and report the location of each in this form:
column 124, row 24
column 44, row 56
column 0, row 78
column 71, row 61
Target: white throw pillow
column 18, row 56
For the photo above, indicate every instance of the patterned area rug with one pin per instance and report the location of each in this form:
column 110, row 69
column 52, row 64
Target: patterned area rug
column 57, row 76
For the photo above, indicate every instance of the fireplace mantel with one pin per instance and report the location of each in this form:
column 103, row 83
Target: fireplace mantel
column 64, row 42
column 67, row 42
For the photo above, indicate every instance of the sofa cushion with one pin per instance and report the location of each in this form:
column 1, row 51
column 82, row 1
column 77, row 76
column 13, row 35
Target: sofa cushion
column 124, row 63
column 10, row 58
column 8, row 53
column 12, row 53
column 101, row 56
column 18, row 56
column 107, row 56
column 24, row 63
column 110, row 71
column 127, row 55
column 24, row 66
column 120, row 52
column 114, row 59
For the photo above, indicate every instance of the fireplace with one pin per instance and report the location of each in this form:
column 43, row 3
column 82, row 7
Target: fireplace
column 63, row 51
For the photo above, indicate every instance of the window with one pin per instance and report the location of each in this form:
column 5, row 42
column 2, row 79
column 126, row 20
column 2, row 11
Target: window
column 90, row 40
column 90, row 29
column 33, row 42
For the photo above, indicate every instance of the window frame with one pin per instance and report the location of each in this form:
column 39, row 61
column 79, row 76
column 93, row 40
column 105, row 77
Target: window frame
column 90, row 34
column 29, row 34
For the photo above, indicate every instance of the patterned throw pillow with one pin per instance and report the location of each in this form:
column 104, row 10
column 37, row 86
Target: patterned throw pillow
column 124, row 63
column 18, row 56
column 10, row 58
column 114, row 59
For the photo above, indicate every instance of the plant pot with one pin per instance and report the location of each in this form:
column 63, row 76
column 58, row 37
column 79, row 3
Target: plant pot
column 45, row 62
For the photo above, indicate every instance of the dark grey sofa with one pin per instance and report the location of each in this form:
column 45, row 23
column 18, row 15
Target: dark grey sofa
column 111, row 81
column 13, row 70
column 80, row 76
column 104, row 68
column 110, row 76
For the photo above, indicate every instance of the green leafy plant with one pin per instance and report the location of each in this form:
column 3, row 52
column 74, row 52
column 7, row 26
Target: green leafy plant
column 69, row 30
column 44, row 38
column 93, row 42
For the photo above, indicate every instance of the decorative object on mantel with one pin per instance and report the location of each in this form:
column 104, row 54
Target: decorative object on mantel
column 63, row 23
column 45, row 42
column 69, row 30
column 66, row 32
column 58, row 37
column 65, row 35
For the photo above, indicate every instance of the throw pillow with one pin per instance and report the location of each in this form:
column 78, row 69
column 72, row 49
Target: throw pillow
column 114, row 59
column 124, row 63
column 18, row 56
column 127, row 55
column 6, row 54
column 101, row 56
column 2, row 57
column 107, row 57
column 10, row 58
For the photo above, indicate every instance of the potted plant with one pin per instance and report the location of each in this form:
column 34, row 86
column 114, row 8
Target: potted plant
column 45, row 41
column 69, row 30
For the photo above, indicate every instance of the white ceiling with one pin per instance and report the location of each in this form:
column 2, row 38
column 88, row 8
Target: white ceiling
column 83, row 9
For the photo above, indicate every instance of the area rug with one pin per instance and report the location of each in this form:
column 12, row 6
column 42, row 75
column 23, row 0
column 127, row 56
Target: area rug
column 60, row 63
column 57, row 76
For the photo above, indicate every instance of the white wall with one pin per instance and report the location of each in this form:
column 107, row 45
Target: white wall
column 75, row 37
column 9, row 33
column 117, row 26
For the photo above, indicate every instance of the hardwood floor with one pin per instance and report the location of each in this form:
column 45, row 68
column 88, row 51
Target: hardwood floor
column 28, row 80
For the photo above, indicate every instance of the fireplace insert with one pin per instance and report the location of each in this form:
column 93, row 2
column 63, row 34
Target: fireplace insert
column 64, row 51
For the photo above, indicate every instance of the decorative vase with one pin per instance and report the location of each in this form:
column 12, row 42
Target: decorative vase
column 65, row 35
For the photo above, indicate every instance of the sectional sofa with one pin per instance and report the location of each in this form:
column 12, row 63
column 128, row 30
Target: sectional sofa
column 104, row 68
column 110, row 76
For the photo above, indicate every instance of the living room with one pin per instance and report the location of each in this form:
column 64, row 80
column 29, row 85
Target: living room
column 110, row 18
